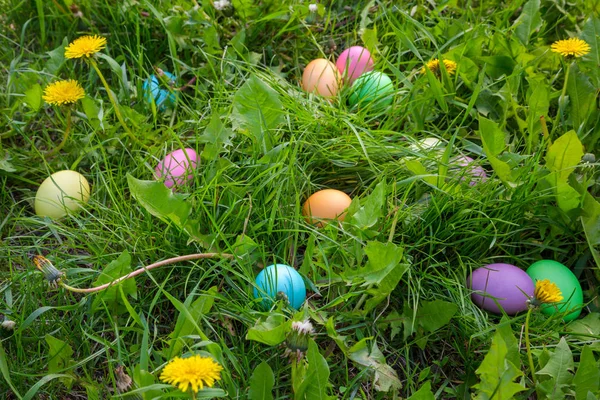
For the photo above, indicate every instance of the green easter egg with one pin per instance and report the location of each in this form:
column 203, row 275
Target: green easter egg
column 566, row 281
column 373, row 89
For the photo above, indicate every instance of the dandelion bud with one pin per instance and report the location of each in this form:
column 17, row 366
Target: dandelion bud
column 297, row 339
column 52, row 275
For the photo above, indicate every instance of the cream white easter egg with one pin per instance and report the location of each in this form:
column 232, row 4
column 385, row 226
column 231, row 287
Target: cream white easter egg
column 61, row 193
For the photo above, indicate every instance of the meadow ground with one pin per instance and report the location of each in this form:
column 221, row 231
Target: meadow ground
column 386, row 287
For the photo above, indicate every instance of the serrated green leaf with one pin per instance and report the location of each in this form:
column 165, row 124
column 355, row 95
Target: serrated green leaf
column 367, row 215
column 111, row 297
column 424, row 393
column 385, row 378
column 587, row 377
column 418, row 169
column 316, row 382
column 215, row 137
column 494, row 142
column 582, row 96
column 529, row 21
column 258, row 109
column 562, row 157
column 184, row 327
column 59, row 358
column 271, row 331
column 587, row 327
column 539, row 103
column 591, row 34
column 498, row 370
column 57, row 58
column 33, row 97
column 261, row 383
column 160, row 201
column 559, row 368
column 432, row 315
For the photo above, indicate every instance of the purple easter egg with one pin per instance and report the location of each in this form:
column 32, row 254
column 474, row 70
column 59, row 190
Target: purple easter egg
column 353, row 62
column 501, row 284
column 476, row 171
column 177, row 167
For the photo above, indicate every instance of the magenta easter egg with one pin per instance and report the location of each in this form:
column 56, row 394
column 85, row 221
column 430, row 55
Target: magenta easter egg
column 501, row 285
column 353, row 62
column 177, row 168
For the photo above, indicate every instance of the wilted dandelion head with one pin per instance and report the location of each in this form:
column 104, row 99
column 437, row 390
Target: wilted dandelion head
column 434, row 66
column 52, row 275
column 195, row 372
column 63, row 92
column 572, row 47
column 85, row 46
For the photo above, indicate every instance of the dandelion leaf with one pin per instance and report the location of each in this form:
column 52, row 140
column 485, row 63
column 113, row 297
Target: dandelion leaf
column 316, row 381
column 385, row 378
column 111, row 296
column 261, row 383
column 557, row 374
column 494, row 143
column 59, row 358
column 529, row 21
column 424, row 393
column 563, row 156
column 587, row 377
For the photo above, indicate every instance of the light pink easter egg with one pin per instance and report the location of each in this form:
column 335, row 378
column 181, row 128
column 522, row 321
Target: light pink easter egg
column 353, row 62
column 476, row 171
column 177, row 167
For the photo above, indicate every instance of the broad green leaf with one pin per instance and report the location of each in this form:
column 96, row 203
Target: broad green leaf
column 258, row 109
column 588, row 327
column 145, row 382
column 418, row 169
column 215, row 137
column 494, row 142
column 563, row 156
column 115, row 269
column 160, row 201
column 591, row 34
column 382, row 259
column 385, row 378
column 57, row 58
column 539, row 103
column 337, row 338
column 582, row 96
column 498, row 371
column 424, row 393
column 316, row 382
column 559, row 369
column 33, row 97
column 587, row 377
column 367, row 215
column 183, row 327
column 59, row 358
column 591, row 225
column 497, row 66
column 432, row 315
column 271, row 331
column 93, row 113
column 529, row 21
column 261, row 383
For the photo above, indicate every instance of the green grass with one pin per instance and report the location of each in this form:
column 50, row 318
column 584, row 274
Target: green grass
column 248, row 199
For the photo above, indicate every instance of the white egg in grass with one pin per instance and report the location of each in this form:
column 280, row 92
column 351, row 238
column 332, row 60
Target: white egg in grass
column 61, row 193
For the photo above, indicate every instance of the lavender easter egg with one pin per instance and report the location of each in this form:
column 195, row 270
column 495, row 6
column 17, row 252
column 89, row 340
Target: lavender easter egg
column 498, row 287
column 177, row 168
column 353, row 62
column 470, row 168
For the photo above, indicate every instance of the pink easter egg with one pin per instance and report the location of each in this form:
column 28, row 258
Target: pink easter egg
column 476, row 171
column 353, row 62
column 177, row 167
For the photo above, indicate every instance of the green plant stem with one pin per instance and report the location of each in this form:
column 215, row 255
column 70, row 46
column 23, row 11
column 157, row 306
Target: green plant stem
column 65, row 136
column 528, row 346
column 562, row 98
column 139, row 271
column 114, row 102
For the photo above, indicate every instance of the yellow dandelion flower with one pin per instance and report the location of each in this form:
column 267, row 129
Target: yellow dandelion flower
column 547, row 292
column 85, row 46
column 434, row 66
column 63, row 92
column 572, row 47
column 195, row 372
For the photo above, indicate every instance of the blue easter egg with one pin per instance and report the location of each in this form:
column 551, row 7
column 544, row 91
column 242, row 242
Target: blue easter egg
column 279, row 279
column 163, row 97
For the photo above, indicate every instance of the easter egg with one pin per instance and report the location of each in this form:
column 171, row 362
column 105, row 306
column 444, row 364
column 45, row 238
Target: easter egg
column 326, row 204
column 155, row 90
column 322, row 77
column 60, row 193
column 277, row 281
column 427, row 144
column 373, row 89
column 177, row 168
column 353, row 62
column 498, row 287
column 566, row 281
column 468, row 166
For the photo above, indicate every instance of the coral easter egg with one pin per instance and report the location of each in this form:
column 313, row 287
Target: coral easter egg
column 277, row 281
column 177, row 168
column 60, row 193
column 498, row 287
column 566, row 281
column 353, row 62
column 322, row 77
column 326, row 204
